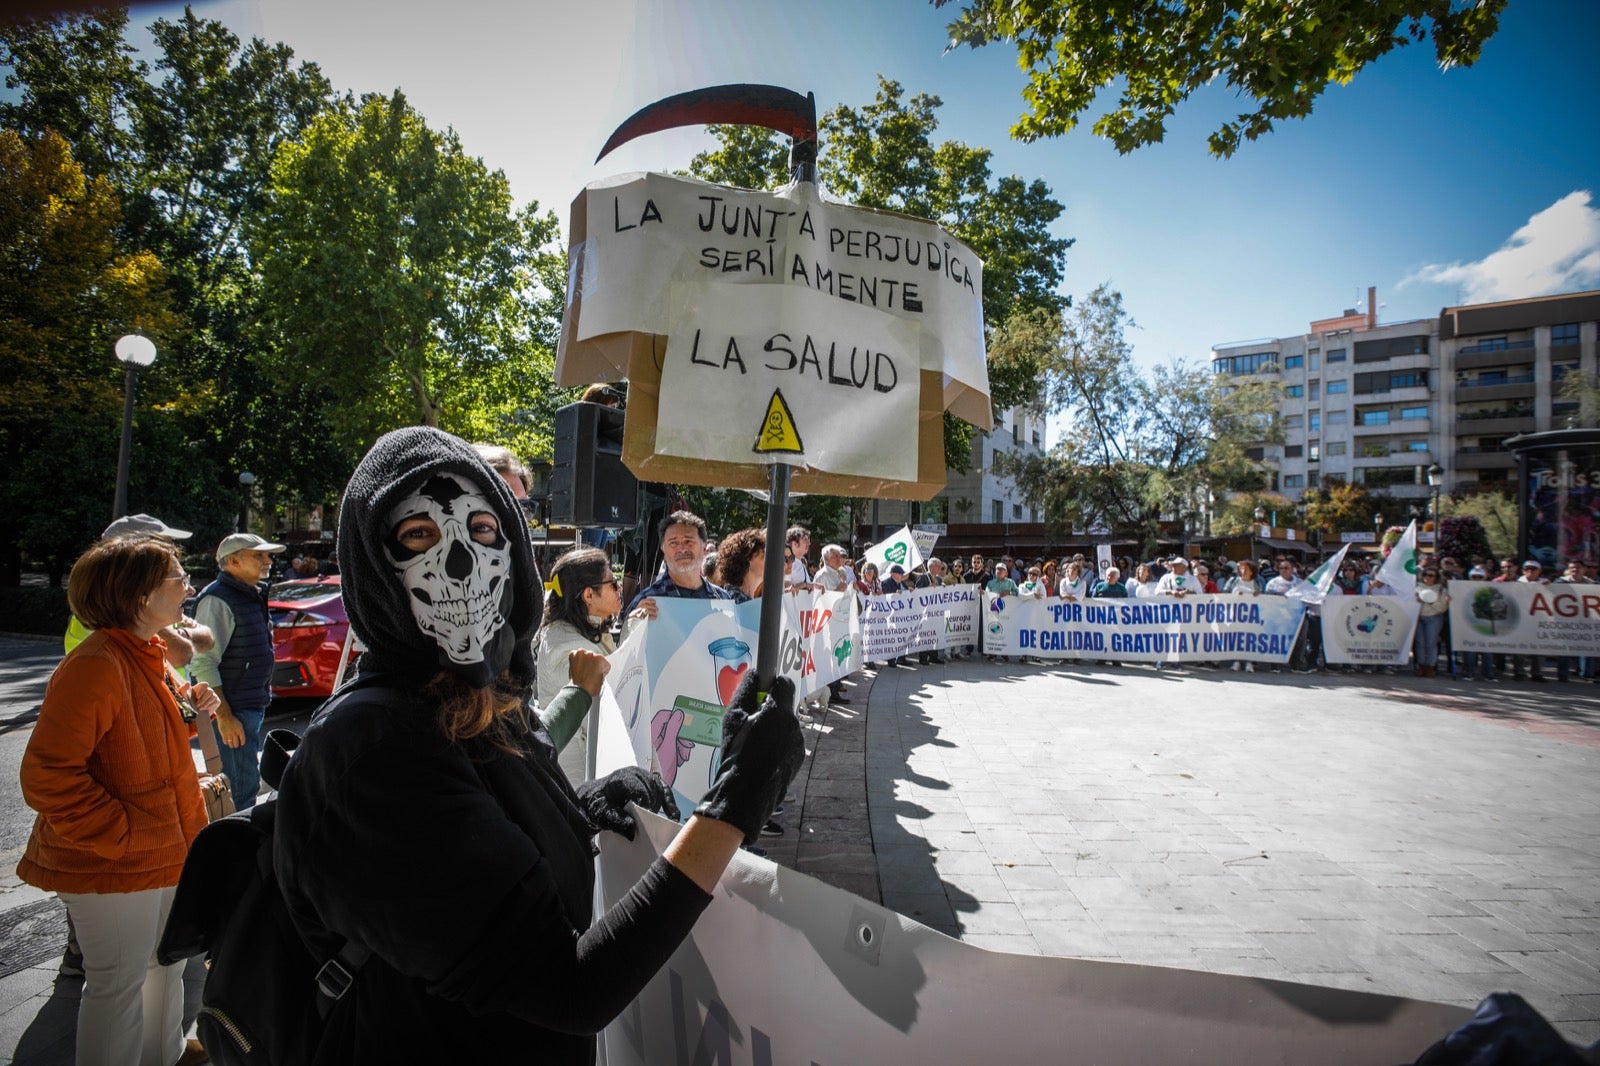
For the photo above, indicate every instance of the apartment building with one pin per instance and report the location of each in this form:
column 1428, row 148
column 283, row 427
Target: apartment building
column 1376, row 405
column 1360, row 401
column 1508, row 362
column 981, row 496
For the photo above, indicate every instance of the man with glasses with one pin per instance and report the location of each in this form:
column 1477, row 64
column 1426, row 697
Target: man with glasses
column 239, row 667
column 1288, row 578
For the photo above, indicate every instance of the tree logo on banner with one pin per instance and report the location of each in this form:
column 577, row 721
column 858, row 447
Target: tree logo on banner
column 778, row 431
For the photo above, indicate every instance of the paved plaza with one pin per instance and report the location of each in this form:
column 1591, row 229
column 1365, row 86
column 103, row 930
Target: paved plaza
column 1430, row 839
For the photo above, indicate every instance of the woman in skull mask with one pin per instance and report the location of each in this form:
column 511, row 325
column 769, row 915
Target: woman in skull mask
column 424, row 819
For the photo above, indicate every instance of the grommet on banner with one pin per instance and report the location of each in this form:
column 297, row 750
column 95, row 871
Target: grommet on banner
column 864, row 938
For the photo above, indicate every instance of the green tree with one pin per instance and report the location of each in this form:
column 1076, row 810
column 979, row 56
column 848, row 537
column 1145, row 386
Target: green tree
column 67, row 291
column 77, row 76
column 1139, row 446
column 188, row 155
column 1238, row 512
column 1496, row 513
column 1278, row 58
column 728, row 510
column 1582, row 390
column 1464, row 540
column 396, row 272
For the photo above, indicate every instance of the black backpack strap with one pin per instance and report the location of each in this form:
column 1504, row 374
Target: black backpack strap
column 337, row 974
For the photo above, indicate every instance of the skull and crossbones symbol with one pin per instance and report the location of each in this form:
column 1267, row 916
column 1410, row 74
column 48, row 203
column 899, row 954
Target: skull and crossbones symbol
column 455, row 563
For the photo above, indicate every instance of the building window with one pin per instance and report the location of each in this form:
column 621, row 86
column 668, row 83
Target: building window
column 1036, row 443
column 1313, row 452
column 1336, row 355
column 1033, row 514
column 1293, row 421
column 1295, row 390
column 1337, row 387
column 1412, row 414
column 1316, row 390
column 1415, row 446
column 1316, row 421
column 1294, row 481
column 1293, row 451
column 994, row 511
column 1566, row 333
column 1375, row 418
column 1243, row 365
column 1016, row 511
column 1016, row 430
column 1316, row 360
column 1292, row 361
column 1336, row 447
column 1338, row 418
column 1374, row 450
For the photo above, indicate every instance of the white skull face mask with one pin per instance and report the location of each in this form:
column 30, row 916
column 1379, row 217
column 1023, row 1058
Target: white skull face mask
column 459, row 587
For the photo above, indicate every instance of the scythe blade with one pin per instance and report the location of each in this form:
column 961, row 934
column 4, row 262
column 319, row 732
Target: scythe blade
column 771, row 106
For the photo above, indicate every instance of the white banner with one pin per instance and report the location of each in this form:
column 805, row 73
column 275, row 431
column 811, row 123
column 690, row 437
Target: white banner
column 1368, row 630
column 646, row 232
column 770, row 374
column 930, row 619
column 673, row 677
column 1155, row 629
column 1515, row 617
column 783, row 969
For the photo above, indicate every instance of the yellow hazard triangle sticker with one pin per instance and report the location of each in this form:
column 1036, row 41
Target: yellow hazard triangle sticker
column 778, row 431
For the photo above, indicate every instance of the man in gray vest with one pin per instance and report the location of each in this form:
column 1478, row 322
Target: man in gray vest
column 239, row 667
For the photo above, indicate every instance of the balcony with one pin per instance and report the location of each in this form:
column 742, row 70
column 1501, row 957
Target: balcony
column 1392, row 459
column 1506, row 423
column 1395, row 427
column 1496, row 346
column 1495, row 460
column 1408, row 394
column 1477, row 360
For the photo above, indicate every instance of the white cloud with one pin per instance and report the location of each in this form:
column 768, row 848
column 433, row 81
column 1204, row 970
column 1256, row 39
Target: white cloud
column 1558, row 250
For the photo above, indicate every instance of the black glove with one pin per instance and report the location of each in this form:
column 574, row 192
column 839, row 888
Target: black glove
column 605, row 800
column 761, row 750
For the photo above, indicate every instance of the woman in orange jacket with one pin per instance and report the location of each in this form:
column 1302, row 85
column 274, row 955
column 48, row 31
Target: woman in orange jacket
column 109, row 772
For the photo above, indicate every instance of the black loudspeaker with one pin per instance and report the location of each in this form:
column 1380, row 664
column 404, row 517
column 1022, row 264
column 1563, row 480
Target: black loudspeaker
column 589, row 486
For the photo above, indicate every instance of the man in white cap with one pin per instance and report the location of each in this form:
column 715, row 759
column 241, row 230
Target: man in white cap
column 1176, row 581
column 239, row 668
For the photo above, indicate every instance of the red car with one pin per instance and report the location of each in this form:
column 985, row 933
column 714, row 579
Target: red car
column 309, row 628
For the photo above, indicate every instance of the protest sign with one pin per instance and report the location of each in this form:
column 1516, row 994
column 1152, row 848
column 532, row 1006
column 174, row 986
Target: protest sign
column 644, row 233
column 674, row 675
column 889, row 989
column 930, row 619
column 1155, row 629
column 899, row 548
column 1368, row 630
column 1516, row 617
column 788, row 375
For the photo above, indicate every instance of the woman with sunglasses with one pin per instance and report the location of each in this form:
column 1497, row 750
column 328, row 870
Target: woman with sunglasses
column 1434, row 601
column 582, row 598
column 109, row 772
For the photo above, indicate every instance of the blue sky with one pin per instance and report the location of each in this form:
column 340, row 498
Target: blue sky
column 1437, row 188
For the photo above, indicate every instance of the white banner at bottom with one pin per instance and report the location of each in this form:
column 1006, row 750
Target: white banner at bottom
column 783, row 969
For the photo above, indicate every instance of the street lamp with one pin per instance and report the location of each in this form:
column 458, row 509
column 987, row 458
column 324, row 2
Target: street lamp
column 246, row 479
column 1436, row 482
column 135, row 353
